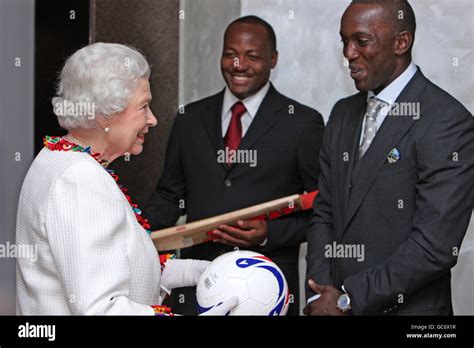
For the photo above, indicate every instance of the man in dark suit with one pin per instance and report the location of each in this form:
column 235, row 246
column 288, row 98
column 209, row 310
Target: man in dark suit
column 396, row 179
column 281, row 137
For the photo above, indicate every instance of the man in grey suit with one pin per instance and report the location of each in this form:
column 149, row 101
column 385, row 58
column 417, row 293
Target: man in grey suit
column 396, row 179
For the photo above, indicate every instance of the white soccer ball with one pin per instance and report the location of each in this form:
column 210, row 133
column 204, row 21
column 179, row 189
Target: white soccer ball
column 256, row 280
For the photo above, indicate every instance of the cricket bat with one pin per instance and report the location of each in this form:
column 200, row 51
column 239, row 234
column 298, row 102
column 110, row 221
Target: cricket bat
column 197, row 232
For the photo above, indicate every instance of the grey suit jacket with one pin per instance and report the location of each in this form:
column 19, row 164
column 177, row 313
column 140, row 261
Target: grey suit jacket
column 408, row 217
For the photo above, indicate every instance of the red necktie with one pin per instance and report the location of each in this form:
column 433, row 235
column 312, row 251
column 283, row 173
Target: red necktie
column 234, row 132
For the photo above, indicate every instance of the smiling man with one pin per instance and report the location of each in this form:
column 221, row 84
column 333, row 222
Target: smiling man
column 280, row 137
column 398, row 186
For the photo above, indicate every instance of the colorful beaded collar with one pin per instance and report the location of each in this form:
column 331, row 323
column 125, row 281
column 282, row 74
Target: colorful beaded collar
column 61, row 144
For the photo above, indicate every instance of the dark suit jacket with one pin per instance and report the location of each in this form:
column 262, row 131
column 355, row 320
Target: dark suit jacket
column 287, row 137
column 408, row 215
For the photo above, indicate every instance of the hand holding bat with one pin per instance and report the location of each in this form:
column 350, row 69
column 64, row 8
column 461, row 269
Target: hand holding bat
column 247, row 234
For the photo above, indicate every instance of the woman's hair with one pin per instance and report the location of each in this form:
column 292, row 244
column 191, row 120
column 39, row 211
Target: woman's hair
column 98, row 79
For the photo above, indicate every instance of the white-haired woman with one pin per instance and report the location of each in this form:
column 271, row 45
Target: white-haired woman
column 95, row 255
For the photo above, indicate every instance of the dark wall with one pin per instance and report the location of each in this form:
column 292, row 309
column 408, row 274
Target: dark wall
column 61, row 28
column 153, row 28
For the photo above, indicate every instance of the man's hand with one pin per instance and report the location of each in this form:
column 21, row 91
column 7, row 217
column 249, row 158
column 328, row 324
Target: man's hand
column 326, row 304
column 248, row 233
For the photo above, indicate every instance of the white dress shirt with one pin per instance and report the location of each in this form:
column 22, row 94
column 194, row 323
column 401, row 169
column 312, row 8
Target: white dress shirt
column 252, row 104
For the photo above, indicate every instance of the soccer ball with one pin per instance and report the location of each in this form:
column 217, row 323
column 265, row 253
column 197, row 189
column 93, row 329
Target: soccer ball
column 258, row 283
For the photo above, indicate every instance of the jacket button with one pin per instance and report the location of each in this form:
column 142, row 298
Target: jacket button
column 227, row 183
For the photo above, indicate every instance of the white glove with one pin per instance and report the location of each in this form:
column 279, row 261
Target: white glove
column 178, row 273
column 223, row 308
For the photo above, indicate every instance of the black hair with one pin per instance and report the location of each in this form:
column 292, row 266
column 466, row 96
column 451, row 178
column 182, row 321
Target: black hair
column 259, row 21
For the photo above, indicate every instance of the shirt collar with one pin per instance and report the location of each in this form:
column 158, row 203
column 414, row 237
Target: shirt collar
column 390, row 93
column 252, row 103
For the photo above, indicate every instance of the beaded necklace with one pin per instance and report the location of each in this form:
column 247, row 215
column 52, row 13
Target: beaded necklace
column 62, row 144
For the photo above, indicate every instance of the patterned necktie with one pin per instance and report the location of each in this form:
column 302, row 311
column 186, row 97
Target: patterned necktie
column 374, row 106
column 234, row 132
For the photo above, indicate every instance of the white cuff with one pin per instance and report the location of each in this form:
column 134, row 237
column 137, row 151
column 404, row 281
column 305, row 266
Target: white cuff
column 313, row 298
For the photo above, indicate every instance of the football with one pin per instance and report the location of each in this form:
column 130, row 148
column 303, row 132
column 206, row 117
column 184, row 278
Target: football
column 257, row 281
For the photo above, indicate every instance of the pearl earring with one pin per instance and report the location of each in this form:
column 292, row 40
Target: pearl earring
column 107, row 129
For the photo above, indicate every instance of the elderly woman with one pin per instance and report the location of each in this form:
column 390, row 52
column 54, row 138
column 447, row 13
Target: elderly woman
column 95, row 255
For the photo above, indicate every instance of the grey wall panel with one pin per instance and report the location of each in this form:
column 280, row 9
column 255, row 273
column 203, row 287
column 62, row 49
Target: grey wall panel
column 201, row 38
column 462, row 281
column 16, row 126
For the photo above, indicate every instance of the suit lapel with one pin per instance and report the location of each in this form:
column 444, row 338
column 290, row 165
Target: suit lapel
column 212, row 119
column 389, row 135
column 266, row 117
column 349, row 146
